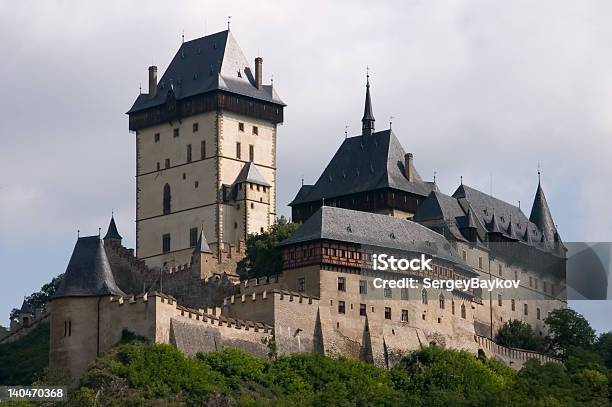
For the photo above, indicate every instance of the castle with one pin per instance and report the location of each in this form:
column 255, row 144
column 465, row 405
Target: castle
column 206, row 180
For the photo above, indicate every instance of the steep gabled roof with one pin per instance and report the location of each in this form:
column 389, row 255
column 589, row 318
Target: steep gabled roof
column 202, row 245
column 250, row 173
column 365, row 164
column 112, row 232
column 371, row 229
column 540, row 215
column 207, row 64
column 89, row 272
column 25, row 308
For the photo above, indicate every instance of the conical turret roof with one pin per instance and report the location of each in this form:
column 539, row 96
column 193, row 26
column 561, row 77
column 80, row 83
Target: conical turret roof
column 112, row 232
column 89, row 273
column 540, row 215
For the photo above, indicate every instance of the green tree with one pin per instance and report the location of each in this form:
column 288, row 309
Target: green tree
column 568, row 330
column 263, row 258
column 518, row 334
column 604, row 348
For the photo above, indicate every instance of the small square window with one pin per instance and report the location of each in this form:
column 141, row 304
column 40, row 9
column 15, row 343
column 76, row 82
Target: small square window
column 387, row 313
column 363, row 287
column 241, row 126
column 388, row 292
column 156, row 137
column 175, row 132
column 341, row 307
column 255, row 130
column 362, row 309
column 196, row 127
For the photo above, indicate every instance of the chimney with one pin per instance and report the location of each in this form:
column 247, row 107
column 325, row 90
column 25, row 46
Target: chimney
column 258, row 72
column 408, row 167
column 152, row 81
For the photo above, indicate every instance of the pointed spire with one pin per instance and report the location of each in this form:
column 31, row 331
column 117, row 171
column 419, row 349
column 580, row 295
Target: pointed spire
column 112, row 233
column 367, row 122
column 494, row 226
column 527, row 235
column 540, row 214
column 202, row 245
column 25, row 308
column 472, row 222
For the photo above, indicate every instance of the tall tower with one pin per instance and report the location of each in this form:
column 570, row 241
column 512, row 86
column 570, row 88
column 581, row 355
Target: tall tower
column 205, row 152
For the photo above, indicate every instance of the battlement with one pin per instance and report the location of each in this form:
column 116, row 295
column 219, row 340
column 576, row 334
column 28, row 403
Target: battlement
column 511, row 354
column 210, row 316
column 263, row 295
column 19, row 330
column 260, row 281
column 128, row 255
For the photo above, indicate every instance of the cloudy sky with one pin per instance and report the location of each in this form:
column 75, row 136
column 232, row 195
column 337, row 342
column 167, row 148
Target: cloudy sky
column 480, row 89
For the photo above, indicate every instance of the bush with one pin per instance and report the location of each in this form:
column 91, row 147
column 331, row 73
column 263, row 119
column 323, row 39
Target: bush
column 518, row 334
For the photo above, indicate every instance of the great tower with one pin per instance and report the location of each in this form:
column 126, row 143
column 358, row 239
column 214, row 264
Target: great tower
column 205, row 152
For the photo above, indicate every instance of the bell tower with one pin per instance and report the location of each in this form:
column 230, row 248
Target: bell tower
column 205, row 135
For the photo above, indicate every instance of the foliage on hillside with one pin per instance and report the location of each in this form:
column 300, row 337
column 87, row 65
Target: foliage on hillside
column 263, row 258
column 137, row 374
column 25, row 360
column 518, row 334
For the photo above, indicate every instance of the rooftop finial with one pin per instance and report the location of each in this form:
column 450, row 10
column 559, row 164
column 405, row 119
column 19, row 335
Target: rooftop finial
column 462, row 180
column 229, row 18
column 78, row 233
column 367, row 122
column 99, row 232
column 183, row 37
column 538, row 173
column 346, row 131
column 390, row 122
column 435, row 173
column 302, row 180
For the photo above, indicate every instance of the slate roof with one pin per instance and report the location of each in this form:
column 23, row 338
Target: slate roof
column 250, row 173
column 208, row 64
column 540, row 215
column 202, row 245
column 371, row 229
column 364, row 164
column 89, row 272
column 112, row 232
column 25, row 308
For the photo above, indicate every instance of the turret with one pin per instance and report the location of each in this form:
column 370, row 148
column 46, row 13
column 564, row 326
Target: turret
column 367, row 122
column 112, row 234
column 202, row 258
column 540, row 214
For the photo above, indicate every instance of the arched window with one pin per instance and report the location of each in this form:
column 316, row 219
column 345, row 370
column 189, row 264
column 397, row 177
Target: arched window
column 441, row 298
column 424, row 296
column 463, row 311
column 167, row 199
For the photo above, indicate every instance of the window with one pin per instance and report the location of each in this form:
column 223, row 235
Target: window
column 252, row 205
column 387, row 313
column 404, row 293
column 530, row 281
column 362, row 309
column 235, row 225
column 196, row 127
column 463, row 311
column 175, row 132
column 238, row 151
column 184, row 176
column 167, row 163
column 193, row 237
column 453, row 307
column 255, row 130
column 544, row 286
column 464, row 255
column 196, row 184
column 525, row 309
column 499, row 300
column 424, row 296
column 203, row 149
column 480, row 262
column 241, row 126
column 404, row 315
column 388, row 292
column 156, row 137
column 251, row 153
column 441, row 300
column 158, row 166
column 341, row 284
column 67, row 327
column 536, row 283
column 516, row 275
column 301, row 283
column 341, row 307
column 167, row 204
column 537, row 313
column 363, row 287
column 500, row 270
column 166, row 243
column 513, row 304
column 188, row 153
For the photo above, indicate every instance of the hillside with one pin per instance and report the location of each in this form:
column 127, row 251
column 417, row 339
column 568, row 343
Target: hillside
column 144, row 374
column 25, row 360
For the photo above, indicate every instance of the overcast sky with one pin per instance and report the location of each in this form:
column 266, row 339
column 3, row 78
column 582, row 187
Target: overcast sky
column 480, row 89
